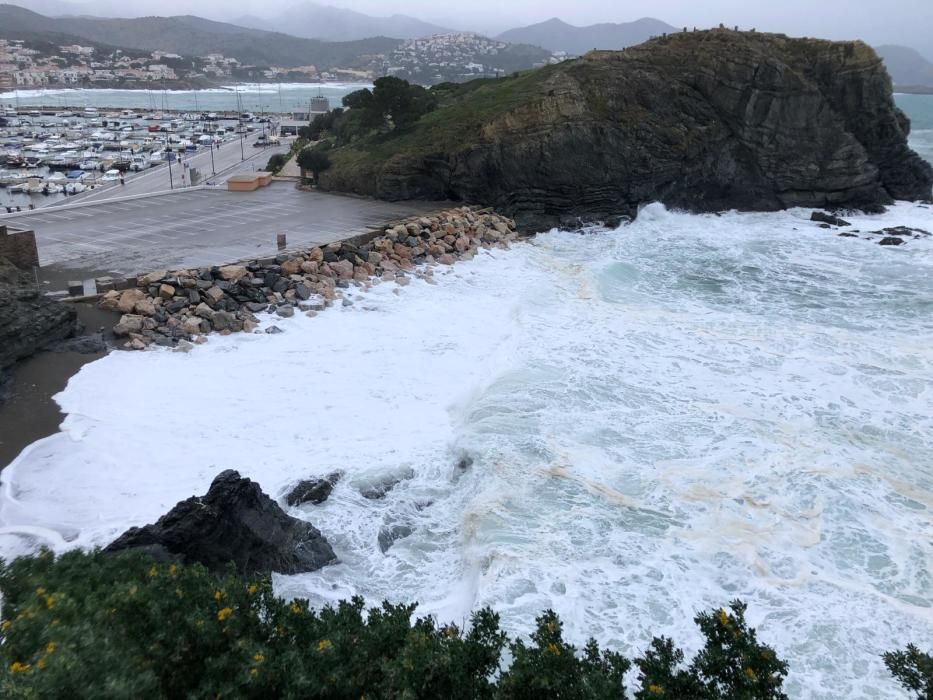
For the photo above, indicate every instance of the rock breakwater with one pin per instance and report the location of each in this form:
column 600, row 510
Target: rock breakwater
column 174, row 307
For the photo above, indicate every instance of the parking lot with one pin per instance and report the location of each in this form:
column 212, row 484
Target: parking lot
column 196, row 228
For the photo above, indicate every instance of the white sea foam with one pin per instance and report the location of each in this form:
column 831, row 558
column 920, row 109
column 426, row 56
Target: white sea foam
column 662, row 418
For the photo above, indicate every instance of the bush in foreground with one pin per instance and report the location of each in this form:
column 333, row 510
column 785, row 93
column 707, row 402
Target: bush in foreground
column 94, row 625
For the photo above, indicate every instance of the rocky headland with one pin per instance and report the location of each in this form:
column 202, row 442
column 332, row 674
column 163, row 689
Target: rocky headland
column 173, row 307
column 702, row 121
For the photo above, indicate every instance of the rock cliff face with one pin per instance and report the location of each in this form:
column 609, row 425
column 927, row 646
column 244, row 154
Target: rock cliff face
column 702, row 121
column 29, row 321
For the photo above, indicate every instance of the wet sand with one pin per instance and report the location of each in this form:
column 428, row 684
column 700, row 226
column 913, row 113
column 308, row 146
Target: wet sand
column 27, row 410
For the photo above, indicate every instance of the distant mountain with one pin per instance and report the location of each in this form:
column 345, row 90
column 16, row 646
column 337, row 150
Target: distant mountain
column 314, row 21
column 908, row 68
column 188, row 35
column 557, row 35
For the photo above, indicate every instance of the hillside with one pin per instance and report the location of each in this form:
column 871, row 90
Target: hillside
column 315, row 21
column 703, row 121
column 907, row 66
column 556, row 35
column 188, row 35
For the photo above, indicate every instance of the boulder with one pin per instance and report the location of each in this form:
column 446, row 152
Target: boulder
column 128, row 323
column 824, row 218
column 152, row 278
column 145, row 307
column 232, row 273
column 234, row 522
column 166, row 291
column 128, row 300
column 291, row 267
column 891, row 240
column 222, row 320
column 390, row 534
column 313, row 490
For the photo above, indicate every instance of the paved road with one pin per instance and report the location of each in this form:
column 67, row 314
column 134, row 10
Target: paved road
column 228, row 160
column 195, row 228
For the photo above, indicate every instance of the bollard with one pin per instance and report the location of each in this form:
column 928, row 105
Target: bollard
column 280, row 240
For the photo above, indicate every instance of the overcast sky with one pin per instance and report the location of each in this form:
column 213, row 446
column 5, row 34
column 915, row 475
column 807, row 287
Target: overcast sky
column 877, row 21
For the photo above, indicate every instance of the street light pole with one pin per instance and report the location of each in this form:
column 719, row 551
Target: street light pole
column 168, row 158
column 213, row 169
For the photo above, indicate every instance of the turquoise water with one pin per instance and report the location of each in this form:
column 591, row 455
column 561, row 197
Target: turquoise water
column 920, row 110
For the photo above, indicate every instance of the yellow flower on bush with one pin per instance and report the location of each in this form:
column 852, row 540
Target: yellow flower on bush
column 259, row 658
column 295, row 608
column 252, row 589
column 750, row 674
column 723, row 618
column 172, row 570
column 655, row 689
column 50, row 601
column 40, row 664
column 6, row 625
column 219, row 595
column 40, row 591
column 324, row 645
column 17, row 667
column 224, row 613
column 553, row 649
column 154, row 571
column 253, row 671
column 50, row 647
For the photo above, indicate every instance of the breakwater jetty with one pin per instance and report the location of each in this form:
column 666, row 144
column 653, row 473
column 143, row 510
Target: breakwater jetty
column 174, row 308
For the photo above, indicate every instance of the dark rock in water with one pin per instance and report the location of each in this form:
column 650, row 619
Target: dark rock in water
column 825, row 218
column 381, row 488
column 848, row 234
column 391, row 534
column 313, row 490
column 464, row 463
column 825, row 226
column 274, row 330
column 906, row 231
column 82, row 344
column 703, row 121
column 30, row 321
column 234, row 522
column 891, row 240
column 873, row 208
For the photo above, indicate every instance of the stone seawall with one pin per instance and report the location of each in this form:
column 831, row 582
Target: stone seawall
column 173, row 307
column 19, row 247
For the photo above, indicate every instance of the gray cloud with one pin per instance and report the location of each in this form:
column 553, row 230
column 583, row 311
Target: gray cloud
column 893, row 21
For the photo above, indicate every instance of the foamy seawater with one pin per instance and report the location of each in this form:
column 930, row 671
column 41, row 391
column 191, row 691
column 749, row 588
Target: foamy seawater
column 662, row 418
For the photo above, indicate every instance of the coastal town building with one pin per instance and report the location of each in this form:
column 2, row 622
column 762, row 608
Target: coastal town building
column 453, row 56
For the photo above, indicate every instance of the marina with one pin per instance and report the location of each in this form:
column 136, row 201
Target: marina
column 48, row 155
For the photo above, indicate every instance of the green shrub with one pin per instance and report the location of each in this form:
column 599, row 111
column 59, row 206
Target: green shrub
column 92, row 625
column 276, row 162
column 913, row 670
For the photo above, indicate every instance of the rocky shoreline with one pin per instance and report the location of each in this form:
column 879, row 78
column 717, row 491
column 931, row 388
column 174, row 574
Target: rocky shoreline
column 175, row 308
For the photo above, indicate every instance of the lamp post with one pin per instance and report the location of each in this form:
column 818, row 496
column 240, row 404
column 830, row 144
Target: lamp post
column 168, row 158
column 213, row 169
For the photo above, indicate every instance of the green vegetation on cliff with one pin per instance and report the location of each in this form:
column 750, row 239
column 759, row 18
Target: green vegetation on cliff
column 120, row 626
